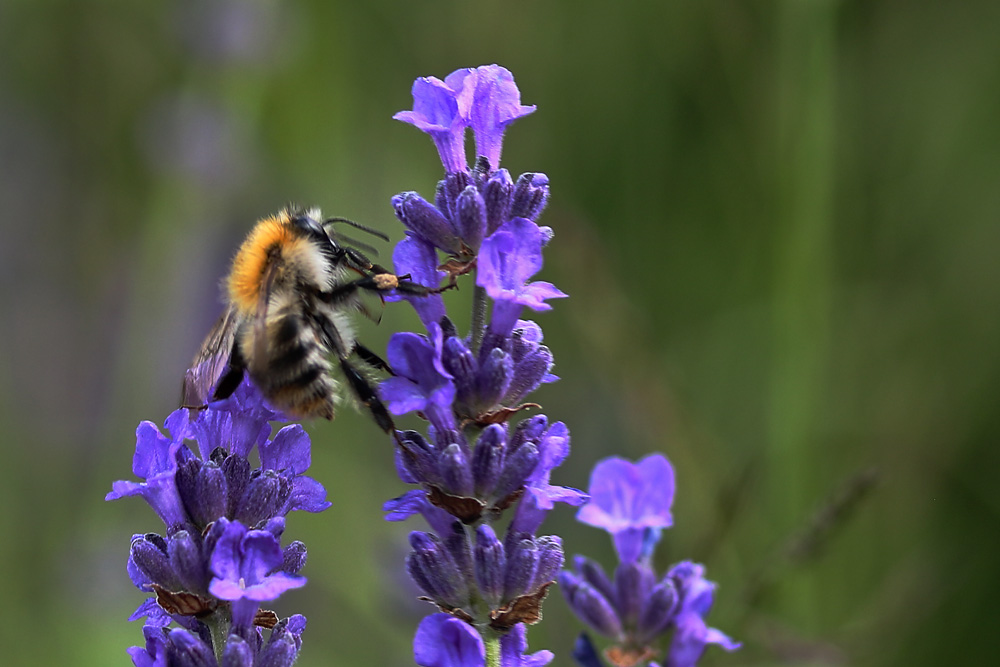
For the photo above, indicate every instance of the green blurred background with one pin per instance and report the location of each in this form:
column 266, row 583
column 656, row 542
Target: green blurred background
column 777, row 221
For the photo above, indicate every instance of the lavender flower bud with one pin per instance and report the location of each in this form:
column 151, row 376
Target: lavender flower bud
column 518, row 466
column 457, row 543
column 657, row 611
column 629, row 591
column 522, row 564
column 149, row 554
column 438, row 571
column 420, row 457
column 448, row 190
column 187, row 562
column 426, row 221
column 293, row 557
column 497, row 194
column 237, row 653
column 204, row 493
column 237, row 471
column 594, row 575
column 265, row 495
column 530, row 196
column 454, row 468
column 491, row 565
column 279, row 652
column 593, row 608
column 183, row 648
column 529, row 430
column 528, row 374
column 494, row 378
column 461, row 364
column 550, row 560
column 470, row 212
column 488, row 459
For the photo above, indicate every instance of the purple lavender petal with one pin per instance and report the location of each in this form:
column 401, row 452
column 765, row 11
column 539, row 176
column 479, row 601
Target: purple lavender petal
column 289, row 450
column 242, row 562
column 413, row 502
column 308, row 495
column 421, row 383
column 445, row 641
column 436, row 112
column 513, row 646
column 417, row 258
column 508, row 258
column 154, row 654
column 627, row 499
column 496, row 103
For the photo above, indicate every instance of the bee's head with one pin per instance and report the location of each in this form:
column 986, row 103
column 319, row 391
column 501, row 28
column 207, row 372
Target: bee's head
column 308, row 225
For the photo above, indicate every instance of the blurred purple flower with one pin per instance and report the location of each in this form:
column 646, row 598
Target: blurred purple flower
column 631, row 501
column 692, row 635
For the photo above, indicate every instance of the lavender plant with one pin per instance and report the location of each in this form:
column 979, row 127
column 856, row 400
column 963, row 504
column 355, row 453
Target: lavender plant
column 636, row 607
column 220, row 555
column 479, row 457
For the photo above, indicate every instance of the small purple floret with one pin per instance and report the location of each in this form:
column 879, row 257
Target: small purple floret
column 628, row 499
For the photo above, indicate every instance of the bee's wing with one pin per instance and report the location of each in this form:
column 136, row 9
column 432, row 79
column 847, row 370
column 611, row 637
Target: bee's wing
column 211, row 361
column 259, row 360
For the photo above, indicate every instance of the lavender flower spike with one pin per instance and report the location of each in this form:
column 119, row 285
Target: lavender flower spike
column 636, row 607
column 479, row 456
column 220, row 555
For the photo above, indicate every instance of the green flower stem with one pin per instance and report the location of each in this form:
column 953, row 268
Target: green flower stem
column 218, row 625
column 478, row 318
column 492, row 641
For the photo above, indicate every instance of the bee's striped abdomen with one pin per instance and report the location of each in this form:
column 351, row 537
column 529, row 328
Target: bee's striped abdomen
column 296, row 374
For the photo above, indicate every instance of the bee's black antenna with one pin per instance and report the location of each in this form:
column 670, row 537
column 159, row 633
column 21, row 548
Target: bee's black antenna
column 359, row 245
column 357, row 225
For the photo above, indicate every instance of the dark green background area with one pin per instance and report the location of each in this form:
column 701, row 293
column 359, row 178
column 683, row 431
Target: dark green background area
column 777, row 221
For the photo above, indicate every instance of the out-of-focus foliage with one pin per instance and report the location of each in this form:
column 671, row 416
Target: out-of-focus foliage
column 777, row 222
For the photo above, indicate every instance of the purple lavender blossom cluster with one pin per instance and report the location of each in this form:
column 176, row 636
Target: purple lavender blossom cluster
column 220, row 556
column 478, row 457
column 636, row 607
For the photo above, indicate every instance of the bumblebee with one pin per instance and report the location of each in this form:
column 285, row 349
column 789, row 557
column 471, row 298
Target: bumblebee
column 292, row 290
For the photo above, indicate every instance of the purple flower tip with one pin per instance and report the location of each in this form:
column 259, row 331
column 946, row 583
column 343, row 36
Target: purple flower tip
column 628, row 499
column 445, row 641
column 247, row 565
column 483, row 98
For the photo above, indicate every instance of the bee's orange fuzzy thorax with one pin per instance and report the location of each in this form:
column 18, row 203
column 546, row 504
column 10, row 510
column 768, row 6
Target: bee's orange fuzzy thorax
column 245, row 280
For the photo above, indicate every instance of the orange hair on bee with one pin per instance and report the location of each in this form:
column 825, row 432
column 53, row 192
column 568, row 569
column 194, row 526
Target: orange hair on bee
column 269, row 236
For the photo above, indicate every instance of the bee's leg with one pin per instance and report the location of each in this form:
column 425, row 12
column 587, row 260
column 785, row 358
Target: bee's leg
column 381, row 282
column 372, row 359
column 368, row 396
